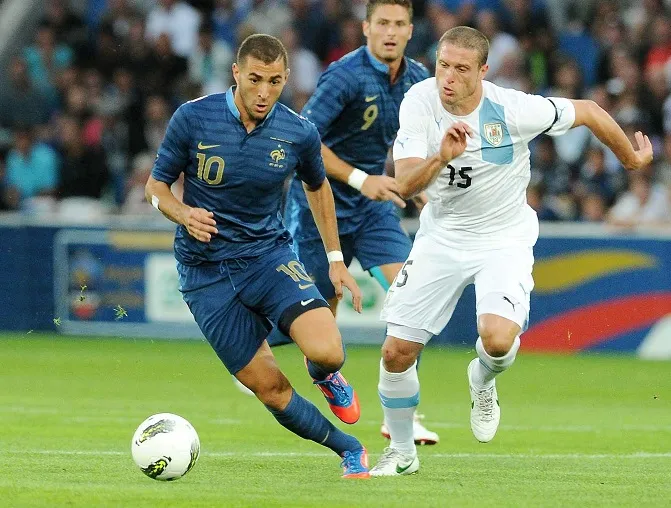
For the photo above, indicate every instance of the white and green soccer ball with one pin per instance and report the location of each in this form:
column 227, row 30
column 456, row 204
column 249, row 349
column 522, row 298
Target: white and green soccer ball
column 165, row 446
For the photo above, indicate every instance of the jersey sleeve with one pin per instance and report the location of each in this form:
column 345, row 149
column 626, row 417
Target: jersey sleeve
column 335, row 89
column 412, row 139
column 538, row 115
column 173, row 154
column 310, row 168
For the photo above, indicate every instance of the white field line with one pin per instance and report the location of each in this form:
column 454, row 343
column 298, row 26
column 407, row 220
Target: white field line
column 57, row 413
column 284, row 455
column 554, row 428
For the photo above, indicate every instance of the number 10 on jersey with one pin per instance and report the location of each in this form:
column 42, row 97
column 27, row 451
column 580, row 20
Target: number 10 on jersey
column 205, row 168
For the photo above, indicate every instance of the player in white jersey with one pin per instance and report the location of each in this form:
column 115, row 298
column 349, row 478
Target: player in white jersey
column 465, row 141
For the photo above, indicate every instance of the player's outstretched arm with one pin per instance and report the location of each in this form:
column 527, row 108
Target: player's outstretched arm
column 604, row 127
column 321, row 203
column 375, row 187
column 414, row 174
column 198, row 222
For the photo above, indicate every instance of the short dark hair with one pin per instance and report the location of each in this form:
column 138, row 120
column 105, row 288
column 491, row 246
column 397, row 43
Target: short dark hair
column 469, row 38
column 263, row 47
column 372, row 4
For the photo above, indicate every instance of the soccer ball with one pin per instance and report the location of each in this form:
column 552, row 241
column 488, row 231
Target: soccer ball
column 165, row 446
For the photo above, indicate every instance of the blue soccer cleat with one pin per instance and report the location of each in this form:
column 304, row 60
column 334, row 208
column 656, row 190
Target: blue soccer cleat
column 341, row 397
column 355, row 464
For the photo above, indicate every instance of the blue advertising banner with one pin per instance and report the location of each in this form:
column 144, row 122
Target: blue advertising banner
column 594, row 289
column 118, row 283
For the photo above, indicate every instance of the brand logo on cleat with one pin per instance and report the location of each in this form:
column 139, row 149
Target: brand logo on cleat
column 401, row 470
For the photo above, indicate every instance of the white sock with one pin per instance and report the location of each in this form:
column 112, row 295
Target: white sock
column 399, row 394
column 486, row 367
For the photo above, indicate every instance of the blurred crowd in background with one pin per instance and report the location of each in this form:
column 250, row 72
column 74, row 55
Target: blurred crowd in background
column 87, row 102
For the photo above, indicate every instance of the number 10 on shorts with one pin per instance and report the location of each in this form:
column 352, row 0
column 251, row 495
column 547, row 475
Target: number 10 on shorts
column 296, row 271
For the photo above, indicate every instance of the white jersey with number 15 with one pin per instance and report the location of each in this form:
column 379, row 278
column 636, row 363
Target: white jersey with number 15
column 479, row 199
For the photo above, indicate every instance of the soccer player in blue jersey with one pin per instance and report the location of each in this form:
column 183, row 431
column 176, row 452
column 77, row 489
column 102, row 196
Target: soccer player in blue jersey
column 355, row 107
column 237, row 270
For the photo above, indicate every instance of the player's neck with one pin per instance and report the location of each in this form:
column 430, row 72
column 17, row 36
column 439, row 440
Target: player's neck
column 247, row 121
column 466, row 106
column 394, row 68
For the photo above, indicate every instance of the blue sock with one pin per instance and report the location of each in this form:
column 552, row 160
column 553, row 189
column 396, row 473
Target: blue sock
column 304, row 419
column 320, row 373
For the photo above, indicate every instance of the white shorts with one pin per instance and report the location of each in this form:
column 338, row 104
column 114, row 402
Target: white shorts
column 426, row 290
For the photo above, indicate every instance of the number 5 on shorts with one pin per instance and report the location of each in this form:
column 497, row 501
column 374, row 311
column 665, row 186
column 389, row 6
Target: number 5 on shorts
column 296, row 271
column 404, row 274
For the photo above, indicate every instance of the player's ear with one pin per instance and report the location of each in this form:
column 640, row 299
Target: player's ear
column 286, row 74
column 236, row 73
column 483, row 71
column 411, row 29
column 366, row 27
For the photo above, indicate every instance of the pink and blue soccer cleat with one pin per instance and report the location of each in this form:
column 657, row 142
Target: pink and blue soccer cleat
column 341, row 397
column 355, row 464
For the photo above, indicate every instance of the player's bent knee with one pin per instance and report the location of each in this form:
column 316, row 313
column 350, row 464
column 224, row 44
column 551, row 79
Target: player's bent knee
column 497, row 334
column 317, row 335
column 331, row 359
column 274, row 392
column 398, row 354
column 497, row 346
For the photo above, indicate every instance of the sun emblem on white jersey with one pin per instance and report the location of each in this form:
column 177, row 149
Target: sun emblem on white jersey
column 493, row 133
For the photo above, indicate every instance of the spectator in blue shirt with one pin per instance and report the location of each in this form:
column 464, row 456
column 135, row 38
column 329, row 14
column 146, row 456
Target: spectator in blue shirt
column 32, row 169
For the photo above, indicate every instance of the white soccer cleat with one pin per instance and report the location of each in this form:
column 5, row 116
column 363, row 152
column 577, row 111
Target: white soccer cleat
column 242, row 387
column 395, row 463
column 485, row 410
column 421, row 434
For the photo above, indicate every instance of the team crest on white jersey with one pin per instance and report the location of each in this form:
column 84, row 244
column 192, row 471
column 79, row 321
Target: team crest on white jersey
column 493, row 133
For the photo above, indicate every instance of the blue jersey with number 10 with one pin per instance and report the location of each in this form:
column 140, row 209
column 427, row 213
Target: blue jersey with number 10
column 355, row 109
column 235, row 174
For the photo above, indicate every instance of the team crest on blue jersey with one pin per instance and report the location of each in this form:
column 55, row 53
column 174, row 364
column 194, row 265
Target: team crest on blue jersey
column 277, row 155
column 493, row 133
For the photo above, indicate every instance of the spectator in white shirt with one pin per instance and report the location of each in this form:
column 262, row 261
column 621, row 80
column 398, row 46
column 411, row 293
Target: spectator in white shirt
column 644, row 204
column 177, row 19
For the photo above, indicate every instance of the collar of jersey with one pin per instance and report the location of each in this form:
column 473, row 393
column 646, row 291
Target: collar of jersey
column 230, row 102
column 377, row 65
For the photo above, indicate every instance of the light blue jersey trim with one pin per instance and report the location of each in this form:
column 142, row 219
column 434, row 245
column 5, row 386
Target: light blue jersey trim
column 376, row 63
column 399, row 403
column 492, row 117
column 233, row 108
column 230, row 101
column 376, row 273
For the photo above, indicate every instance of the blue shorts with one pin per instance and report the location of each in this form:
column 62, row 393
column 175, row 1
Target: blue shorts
column 237, row 302
column 377, row 240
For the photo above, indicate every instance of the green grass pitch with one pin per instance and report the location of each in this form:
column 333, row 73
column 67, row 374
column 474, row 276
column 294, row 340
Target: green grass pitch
column 588, row 430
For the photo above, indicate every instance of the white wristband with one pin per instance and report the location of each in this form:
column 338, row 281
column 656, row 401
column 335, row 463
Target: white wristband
column 335, row 255
column 356, row 178
column 154, row 202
